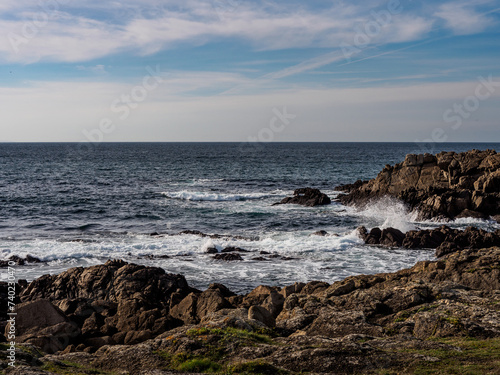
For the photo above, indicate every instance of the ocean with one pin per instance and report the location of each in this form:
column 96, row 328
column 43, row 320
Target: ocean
column 77, row 205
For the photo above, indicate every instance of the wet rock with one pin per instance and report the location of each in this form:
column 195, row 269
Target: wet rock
column 228, row 257
column 444, row 239
column 307, row 197
column 18, row 261
column 212, row 250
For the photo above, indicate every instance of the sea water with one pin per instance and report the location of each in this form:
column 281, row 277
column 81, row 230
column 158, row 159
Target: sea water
column 79, row 205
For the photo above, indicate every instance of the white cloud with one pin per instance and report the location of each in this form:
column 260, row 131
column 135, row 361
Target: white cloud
column 65, row 34
column 463, row 19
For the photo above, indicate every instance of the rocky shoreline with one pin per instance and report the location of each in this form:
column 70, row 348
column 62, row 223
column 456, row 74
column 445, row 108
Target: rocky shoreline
column 130, row 319
column 439, row 316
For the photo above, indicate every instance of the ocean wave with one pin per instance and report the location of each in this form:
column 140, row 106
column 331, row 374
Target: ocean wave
column 216, row 197
column 388, row 212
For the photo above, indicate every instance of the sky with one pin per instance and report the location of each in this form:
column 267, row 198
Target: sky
column 255, row 70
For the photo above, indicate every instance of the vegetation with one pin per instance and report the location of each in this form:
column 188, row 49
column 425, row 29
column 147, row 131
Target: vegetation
column 473, row 357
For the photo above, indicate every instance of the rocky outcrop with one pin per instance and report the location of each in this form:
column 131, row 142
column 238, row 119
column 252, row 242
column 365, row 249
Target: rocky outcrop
column 447, row 185
column 112, row 303
column 307, row 197
column 363, row 324
column 444, row 239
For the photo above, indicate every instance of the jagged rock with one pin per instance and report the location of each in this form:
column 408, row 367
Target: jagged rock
column 447, row 185
column 444, row 239
column 211, row 300
column 41, row 323
column 307, row 197
column 261, row 314
column 292, row 289
column 18, row 261
column 113, row 298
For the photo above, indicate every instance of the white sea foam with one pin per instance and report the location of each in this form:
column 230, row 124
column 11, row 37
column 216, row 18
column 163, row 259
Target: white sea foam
column 217, row 197
column 387, row 212
column 327, row 258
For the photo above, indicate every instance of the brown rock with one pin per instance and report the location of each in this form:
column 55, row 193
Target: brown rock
column 261, row 314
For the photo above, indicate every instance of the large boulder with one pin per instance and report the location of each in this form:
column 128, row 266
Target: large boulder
column 445, row 185
column 307, row 197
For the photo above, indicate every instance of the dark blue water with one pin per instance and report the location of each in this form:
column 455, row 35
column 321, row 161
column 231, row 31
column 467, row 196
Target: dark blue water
column 111, row 196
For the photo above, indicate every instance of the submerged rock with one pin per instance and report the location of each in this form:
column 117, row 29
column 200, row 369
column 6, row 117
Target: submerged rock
column 448, row 184
column 228, row 257
column 307, row 197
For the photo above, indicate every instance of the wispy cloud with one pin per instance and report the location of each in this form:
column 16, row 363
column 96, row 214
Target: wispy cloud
column 462, row 18
column 70, row 34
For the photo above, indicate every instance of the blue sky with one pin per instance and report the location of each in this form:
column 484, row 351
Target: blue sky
column 221, row 70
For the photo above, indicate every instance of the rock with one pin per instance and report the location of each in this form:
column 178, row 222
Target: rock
column 18, row 261
column 261, row 314
column 292, row 289
column 307, row 197
column 186, row 309
column 258, row 295
column 111, row 298
column 211, row 250
column 210, row 301
column 274, row 303
column 42, row 324
column 447, row 185
column 320, row 233
column 315, row 287
column 444, row 239
column 228, row 257
column 33, row 316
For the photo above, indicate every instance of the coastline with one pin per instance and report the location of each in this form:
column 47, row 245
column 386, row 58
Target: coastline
column 440, row 316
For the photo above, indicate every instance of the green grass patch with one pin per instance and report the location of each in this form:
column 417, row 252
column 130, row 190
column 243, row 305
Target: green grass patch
column 233, row 333
column 257, row 368
column 477, row 357
column 216, row 345
column 70, row 368
column 204, row 365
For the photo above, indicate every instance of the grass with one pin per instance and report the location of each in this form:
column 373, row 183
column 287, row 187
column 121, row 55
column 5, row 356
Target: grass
column 233, row 333
column 70, row 368
column 255, row 367
column 477, row 357
column 204, row 365
column 216, row 342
